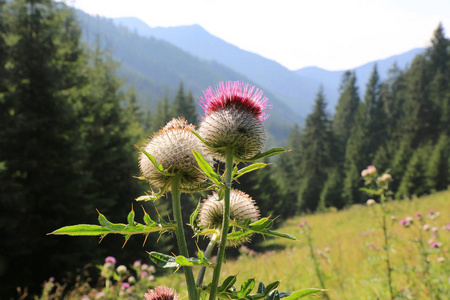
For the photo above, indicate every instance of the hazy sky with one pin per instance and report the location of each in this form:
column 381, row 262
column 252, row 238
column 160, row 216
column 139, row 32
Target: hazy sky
column 331, row 34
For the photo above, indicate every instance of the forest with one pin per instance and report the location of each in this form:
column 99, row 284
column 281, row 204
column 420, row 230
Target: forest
column 68, row 132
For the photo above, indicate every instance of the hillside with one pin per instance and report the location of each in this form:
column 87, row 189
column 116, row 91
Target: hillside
column 156, row 67
column 295, row 88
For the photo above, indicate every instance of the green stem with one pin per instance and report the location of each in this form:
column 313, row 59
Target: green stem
column 388, row 261
column 208, row 251
column 181, row 239
column 225, row 224
column 316, row 263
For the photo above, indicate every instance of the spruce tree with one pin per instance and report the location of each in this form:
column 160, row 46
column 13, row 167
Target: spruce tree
column 317, row 155
column 184, row 106
column 438, row 167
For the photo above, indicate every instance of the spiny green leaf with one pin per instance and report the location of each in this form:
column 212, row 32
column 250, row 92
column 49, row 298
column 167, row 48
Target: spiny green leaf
column 261, row 224
column 247, row 169
column 207, row 169
column 270, row 287
column 130, row 218
column 159, row 167
column 227, row 283
column 271, row 152
column 302, row 293
column 273, row 295
column 247, row 287
column 164, row 260
column 82, row 230
column 193, row 218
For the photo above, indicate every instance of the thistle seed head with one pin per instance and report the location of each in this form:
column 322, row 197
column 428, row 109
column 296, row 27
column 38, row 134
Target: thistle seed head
column 172, row 148
column 234, row 113
column 242, row 207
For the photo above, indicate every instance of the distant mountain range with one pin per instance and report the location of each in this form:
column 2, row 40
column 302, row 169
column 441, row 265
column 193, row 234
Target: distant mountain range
column 296, row 88
column 156, row 60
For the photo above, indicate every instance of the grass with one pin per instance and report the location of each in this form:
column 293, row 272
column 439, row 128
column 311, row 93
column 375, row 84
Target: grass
column 349, row 247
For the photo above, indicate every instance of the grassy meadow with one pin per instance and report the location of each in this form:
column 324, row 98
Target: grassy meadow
column 349, row 249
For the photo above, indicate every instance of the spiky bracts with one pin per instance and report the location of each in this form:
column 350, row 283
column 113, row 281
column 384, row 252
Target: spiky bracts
column 161, row 293
column 172, row 148
column 242, row 207
column 234, row 113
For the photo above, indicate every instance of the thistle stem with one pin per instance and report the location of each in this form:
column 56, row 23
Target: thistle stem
column 208, row 251
column 181, row 239
column 225, row 223
column 388, row 261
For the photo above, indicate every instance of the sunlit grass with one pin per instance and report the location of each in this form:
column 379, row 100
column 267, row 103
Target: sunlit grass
column 349, row 246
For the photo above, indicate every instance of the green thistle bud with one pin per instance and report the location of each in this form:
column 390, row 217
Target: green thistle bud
column 242, row 207
column 172, row 148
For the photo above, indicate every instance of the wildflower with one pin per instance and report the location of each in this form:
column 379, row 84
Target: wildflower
column 125, row 285
column 370, row 202
column 144, row 273
column 121, row 270
column 234, row 113
column 131, row 280
column 144, row 267
column 371, row 170
column 172, row 148
column 137, row 264
column 440, row 259
column 406, row 221
column 151, row 277
column 431, row 212
column 447, row 227
column 242, row 207
column 100, row 295
column 426, row 227
column 151, row 268
column 302, row 224
column 161, row 293
column 435, row 244
column 393, row 218
column 110, row 259
column 85, row 297
column 418, row 215
column 434, row 229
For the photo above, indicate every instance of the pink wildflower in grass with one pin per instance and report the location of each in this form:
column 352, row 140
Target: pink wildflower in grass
column 234, row 113
column 126, row 285
column 431, row 212
column 447, row 227
column 302, row 224
column 137, row 264
column 435, row 244
column 110, row 259
column 370, row 202
column 419, row 215
column 161, row 293
column 440, row 259
column 237, row 95
column 406, row 221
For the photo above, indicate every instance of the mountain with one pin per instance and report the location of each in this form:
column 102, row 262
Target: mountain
column 296, row 88
column 293, row 90
column 332, row 79
column 156, row 67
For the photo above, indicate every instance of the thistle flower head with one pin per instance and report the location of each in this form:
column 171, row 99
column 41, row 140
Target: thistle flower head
column 370, row 202
column 172, row 148
column 242, row 207
column 234, row 113
column 161, row 293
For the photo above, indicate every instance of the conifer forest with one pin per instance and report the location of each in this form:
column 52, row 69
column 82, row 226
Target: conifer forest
column 69, row 126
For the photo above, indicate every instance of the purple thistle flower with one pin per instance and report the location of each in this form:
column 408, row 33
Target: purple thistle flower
column 235, row 94
column 234, row 113
column 110, row 259
column 161, row 293
column 126, row 285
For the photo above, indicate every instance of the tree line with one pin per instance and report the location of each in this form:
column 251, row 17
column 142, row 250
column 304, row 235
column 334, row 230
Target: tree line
column 401, row 125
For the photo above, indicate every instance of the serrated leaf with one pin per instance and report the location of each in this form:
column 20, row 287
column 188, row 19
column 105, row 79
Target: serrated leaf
column 271, row 152
column 227, row 283
column 164, row 260
column 271, row 286
column 261, row 224
column 159, row 167
column 130, row 218
column 148, row 220
column 207, row 169
column 303, row 293
column 203, row 140
column 247, row 287
column 248, row 169
column 193, row 218
column 273, row 295
column 82, row 230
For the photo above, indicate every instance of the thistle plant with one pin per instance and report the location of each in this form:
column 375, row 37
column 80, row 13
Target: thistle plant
column 378, row 186
column 178, row 159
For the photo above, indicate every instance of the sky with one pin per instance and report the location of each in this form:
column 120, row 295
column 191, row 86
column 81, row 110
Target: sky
column 330, row 34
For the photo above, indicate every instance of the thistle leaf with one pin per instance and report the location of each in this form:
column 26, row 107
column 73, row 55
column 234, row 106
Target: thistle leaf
column 207, row 169
column 303, row 293
column 159, row 167
column 271, row 152
column 247, row 169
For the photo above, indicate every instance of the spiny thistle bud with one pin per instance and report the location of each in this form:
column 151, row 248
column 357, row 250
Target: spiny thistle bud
column 161, row 293
column 172, row 148
column 242, row 207
column 234, row 113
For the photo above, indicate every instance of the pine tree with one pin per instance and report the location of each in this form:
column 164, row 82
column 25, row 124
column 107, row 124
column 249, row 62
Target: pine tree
column 184, row 106
column 40, row 176
column 346, row 110
column 162, row 115
column 438, row 167
column 316, row 150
